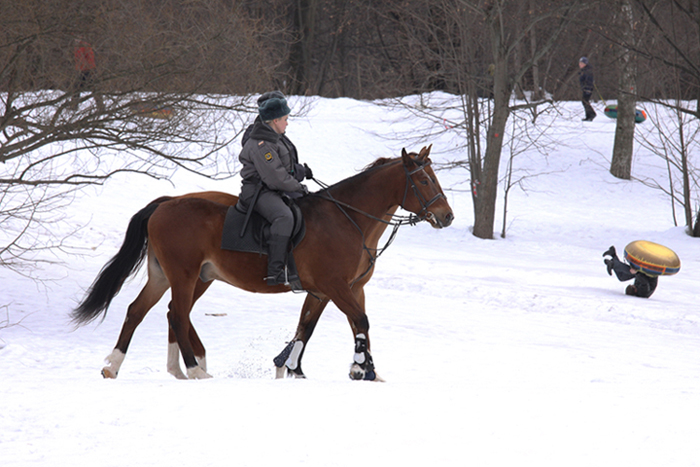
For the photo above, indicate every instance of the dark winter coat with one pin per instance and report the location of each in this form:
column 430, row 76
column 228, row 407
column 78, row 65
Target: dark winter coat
column 271, row 159
column 585, row 79
column 643, row 285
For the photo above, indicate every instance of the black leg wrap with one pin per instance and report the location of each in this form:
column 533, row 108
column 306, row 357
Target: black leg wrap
column 281, row 359
column 363, row 359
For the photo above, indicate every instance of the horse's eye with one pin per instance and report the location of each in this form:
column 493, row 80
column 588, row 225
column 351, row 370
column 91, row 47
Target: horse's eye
column 423, row 182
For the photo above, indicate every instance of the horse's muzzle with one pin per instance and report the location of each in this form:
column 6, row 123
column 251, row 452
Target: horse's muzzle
column 438, row 221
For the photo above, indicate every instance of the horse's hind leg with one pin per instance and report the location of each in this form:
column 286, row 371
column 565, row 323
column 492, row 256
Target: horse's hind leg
column 147, row 298
column 289, row 360
column 199, row 350
column 178, row 317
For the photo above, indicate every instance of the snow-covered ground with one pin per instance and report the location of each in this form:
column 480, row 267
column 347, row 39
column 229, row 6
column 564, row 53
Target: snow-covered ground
column 515, row 351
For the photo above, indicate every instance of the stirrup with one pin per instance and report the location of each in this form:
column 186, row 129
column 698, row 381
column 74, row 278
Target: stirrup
column 283, row 278
column 277, row 279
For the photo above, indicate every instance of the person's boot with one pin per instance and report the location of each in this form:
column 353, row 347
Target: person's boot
column 276, row 259
column 292, row 274
column 611, row 252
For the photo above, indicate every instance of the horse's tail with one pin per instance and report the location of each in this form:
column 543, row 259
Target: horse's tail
column 126, row 262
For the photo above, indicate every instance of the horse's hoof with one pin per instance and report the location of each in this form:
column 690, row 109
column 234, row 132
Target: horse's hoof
column 357, row 373
column 197, row 373
column 108, row 374
column 281, row 373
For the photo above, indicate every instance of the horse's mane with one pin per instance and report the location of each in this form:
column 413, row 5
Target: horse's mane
column 353, row 179
column 379, row 162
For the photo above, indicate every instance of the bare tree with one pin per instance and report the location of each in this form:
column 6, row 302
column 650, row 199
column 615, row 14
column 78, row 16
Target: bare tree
column 503, row 45
column 675, row 137
column 446, row 40
column 672, row 59
column 147, row 106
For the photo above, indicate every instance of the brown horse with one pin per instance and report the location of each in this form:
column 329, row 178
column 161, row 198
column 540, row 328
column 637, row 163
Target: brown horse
column 182, row 236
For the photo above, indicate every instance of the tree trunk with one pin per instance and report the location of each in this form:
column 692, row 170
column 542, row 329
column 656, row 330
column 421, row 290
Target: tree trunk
column 621, row 165
column 300, row 51
column 537, row 92
column 484, row 215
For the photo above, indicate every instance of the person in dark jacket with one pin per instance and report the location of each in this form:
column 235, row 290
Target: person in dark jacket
column 585, row 79
column 271, row 170
column 643, row 286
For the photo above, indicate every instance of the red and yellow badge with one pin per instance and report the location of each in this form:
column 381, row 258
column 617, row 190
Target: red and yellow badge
column 268, row 156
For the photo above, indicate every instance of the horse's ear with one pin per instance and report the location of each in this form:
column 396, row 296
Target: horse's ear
column 406, row 158
column 425, row 152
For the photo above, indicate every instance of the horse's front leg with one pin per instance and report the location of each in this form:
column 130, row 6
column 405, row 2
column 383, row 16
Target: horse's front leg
column 352, row 303
column 288, row 362
column 362, row 367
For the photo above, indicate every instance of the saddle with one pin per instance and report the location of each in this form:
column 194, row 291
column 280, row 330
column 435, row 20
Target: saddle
column 253, row 237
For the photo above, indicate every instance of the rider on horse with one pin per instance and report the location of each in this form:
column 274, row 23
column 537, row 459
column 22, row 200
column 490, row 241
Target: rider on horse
column 270, row 171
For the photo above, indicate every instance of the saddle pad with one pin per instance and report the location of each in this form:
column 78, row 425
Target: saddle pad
column 254, row 240
column 251, row 241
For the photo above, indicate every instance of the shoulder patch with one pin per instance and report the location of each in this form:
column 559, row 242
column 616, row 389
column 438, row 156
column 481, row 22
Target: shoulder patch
column 260, row 143
column 268, row 156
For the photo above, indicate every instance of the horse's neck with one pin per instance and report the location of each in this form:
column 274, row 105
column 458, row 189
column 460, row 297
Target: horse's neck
column 373, row 195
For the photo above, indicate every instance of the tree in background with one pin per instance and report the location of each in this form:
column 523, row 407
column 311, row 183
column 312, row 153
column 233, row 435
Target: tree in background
column 671, row 54
column 621, row 163
column 446, row 40
column 676, row 139
column 147, row 107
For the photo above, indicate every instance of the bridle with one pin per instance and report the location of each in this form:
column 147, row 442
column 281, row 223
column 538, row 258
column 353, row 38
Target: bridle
column 423, row 214
column 396, row 220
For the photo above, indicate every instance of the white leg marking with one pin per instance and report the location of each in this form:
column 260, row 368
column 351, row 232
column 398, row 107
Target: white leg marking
column 293, row 361
column 174, row 361
column 114, row 360
column 202, row 362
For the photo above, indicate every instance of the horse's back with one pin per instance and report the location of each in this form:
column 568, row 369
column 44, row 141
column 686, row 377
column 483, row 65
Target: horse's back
column 186, row 223
column 215, row 196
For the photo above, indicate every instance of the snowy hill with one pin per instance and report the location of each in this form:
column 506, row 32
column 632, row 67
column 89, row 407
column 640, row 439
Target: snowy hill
column 515, row 351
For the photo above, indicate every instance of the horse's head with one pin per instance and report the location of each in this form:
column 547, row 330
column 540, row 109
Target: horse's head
column 423, row 195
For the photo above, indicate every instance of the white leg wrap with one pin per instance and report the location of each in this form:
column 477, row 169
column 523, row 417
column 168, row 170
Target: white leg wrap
column 293, row 361
column 202, row 362
column 174, row 361
column 114, row 360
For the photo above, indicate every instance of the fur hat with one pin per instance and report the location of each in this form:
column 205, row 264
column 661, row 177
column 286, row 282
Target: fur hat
column 272, row 105
column 584, row 60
